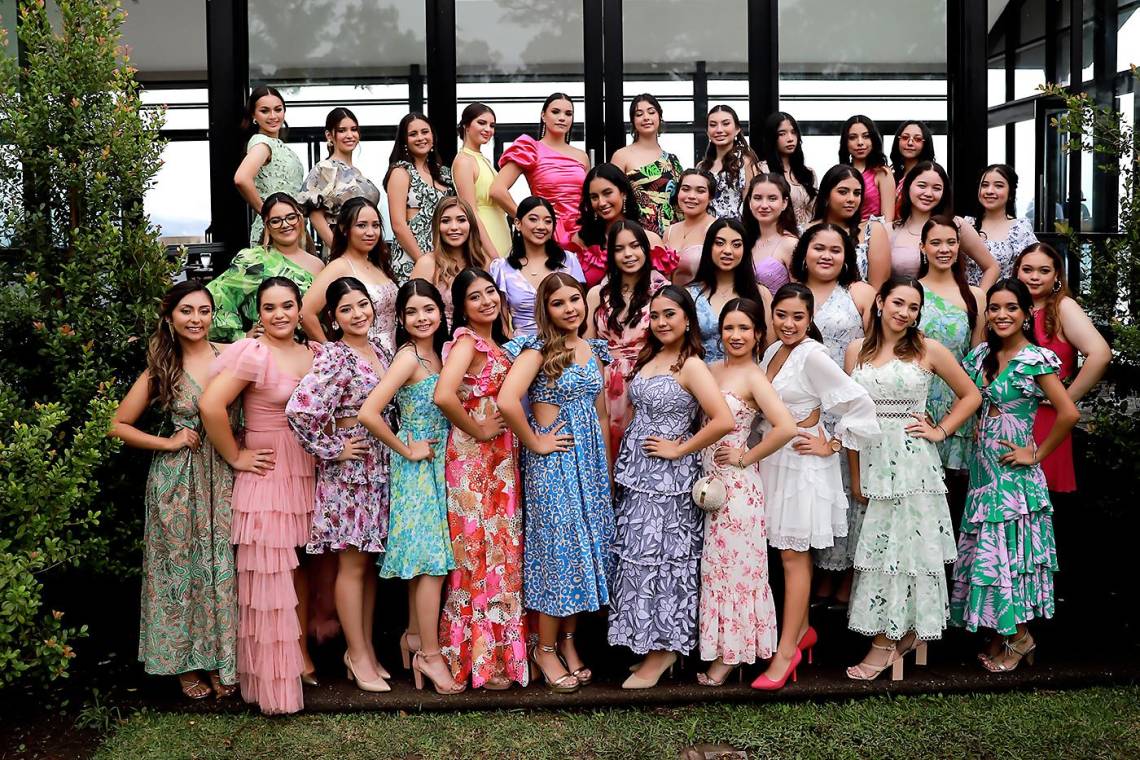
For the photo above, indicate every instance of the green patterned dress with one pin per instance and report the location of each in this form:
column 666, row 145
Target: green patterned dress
column 282, row 173
column 189, row 593
column 653, row 186
column 235, row 290
column 948, row 324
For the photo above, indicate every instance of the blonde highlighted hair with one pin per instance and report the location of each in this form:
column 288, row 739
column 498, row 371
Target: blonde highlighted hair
column 556, row 355
column 472, row 253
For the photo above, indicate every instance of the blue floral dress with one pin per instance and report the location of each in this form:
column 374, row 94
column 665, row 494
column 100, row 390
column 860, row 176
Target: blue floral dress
column 948, row 324
column 569, row 519
column 419, row 541
column 708, row 321
column 660, row 531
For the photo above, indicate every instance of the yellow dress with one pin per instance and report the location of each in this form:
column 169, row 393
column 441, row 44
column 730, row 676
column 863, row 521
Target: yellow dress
column 493, row 218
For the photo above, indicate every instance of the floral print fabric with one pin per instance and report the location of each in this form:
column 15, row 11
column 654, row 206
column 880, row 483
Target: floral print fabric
column 235, row 290
column 653, row 186
column 1004, row 251
column 424, row 197
column 948, row 324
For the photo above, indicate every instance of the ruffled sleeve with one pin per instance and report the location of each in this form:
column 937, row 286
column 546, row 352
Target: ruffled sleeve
column 1031, row 362
column 515, row 346
column 841, row 396
column 233, row 291
column 318, row 187
column 601, row 350
column 522, row 152
column 247, row 359
column 311, row 408
column 589, row 257
column 664, row 260
column 481, row 345
column 972, row 362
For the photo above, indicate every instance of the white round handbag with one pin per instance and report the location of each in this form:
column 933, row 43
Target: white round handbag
column 710, row 493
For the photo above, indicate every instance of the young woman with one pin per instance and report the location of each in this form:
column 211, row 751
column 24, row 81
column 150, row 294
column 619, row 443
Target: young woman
column 189, row 596
column 1004, row 234
column 333, row 181
column 419, row 544
column 272, row 498
column 651, row 170
column 906, row 539
column 1003, row 577
column 456, row 245
column 1060, row 325
column 770, row 229
column 725, row 272
column 358, row 250
column 483, row 629
column 840, row 202
column 284, row 252
column 950, row 315
column 784, row 155
column 350, row 517
column 533, row 256
column 619, row 306
column 474, row 175
column 913, row 143
column 607, row 198
column 729, row 159
column 658, row 540
column 824, row 261
column 415, row 183
column 861, row 145
column 568, row 562
column 737, row 614
column 804, row 498
column 925, row 193
column 553, row 168
column 693, row 195
column 269, row 166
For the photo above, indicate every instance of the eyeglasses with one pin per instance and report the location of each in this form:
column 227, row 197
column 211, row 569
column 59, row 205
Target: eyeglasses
column 916, row 139
column 277, row 222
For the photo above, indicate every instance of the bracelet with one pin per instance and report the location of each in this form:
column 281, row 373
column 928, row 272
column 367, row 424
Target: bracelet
column 945, row 435
column 740, row 459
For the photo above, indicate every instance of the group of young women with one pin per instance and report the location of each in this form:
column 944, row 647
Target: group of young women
column 620, row 400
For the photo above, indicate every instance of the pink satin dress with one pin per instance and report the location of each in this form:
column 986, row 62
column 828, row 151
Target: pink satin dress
column 551, row 175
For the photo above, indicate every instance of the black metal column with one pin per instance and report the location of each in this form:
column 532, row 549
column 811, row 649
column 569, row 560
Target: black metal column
column 593, row 71
column 1105, row 188
column 614, row 60
column 700, row 109
column 763, row 65
column 441, row 74
column 227, row 66
column 1076, row 65
column 966, row 31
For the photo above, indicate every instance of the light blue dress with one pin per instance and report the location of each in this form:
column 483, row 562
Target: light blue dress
column 569, row 519
column 419, row 540
column 709, row 323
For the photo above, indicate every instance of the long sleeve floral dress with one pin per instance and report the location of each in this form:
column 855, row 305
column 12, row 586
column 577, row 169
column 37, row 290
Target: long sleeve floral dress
column 483, row 628
column 351, row 509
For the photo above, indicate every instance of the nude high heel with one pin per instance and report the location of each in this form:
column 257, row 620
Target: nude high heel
column 378, row 685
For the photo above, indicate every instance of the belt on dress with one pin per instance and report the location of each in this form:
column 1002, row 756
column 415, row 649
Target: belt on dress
column 896, row 408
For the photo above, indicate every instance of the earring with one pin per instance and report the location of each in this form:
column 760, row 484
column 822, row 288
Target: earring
column 1025, row 326
column 878, row 312
column 1057, row 286
column 922, row 257
column 300, row 318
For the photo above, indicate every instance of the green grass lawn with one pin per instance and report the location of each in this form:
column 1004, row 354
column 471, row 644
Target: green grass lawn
column 1093, row 723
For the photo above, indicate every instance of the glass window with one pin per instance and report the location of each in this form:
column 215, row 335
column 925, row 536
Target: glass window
column 1024, row 164
column 179, row 201
column 1128, row 38
column 1028, row 71
column 995, row 82
column 995, row 145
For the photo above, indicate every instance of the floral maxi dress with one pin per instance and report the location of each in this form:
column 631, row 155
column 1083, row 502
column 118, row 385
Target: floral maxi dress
column 1006, row 552
column 482, row 631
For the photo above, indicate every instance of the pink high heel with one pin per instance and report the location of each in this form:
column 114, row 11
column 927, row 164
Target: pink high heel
column 807, row 642
column 764, row 683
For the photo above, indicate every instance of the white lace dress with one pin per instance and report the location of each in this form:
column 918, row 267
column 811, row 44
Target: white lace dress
column 906, row 537
column 804, row 496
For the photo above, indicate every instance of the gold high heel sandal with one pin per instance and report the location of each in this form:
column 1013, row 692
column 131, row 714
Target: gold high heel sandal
column 867, row 672
column 1023, row 647
column 565, row 684
column 418, row 673
column 704, row 679
column 583, row 674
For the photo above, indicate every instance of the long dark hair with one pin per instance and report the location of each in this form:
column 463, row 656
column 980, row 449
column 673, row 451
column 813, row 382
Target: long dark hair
column 912, row 346
column 333, row 120
column 1051, row 311
column 743, row 277
column 500, row 329
column 735, row 159
column 380, row 256
column 267, row 205
column 164, row 349
column 338, row 289
column 898, row 162
column 284, row 282
column 472, row 112
column 420, row 287
column 958, row 270
column 546, row 104
column 593, row 231
column 945, row 205
column 1010, row 176
column 257, row 93
column 785, row 223
column 796, row 161
column 611, row 296
column 993, row 340
column 401, row 151
column 755, row 313
column 827, row 185
column 803, row 294
column 555, row 256
column 848, row 274
column 645, row 97
column 691, row 342
column 876, row 157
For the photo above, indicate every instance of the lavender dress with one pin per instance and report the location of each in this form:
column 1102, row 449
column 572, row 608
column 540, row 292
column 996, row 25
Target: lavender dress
column 654, row 595
column 520, row 293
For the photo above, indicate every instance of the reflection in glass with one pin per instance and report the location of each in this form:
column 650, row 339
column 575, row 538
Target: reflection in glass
column 179, row 201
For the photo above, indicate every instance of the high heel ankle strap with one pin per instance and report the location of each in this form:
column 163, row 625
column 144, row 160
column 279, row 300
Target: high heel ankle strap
column 566, row 635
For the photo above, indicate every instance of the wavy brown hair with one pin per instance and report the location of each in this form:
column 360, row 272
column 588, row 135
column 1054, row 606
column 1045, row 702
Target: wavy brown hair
column 958, row 270
column 381, row 255
column 267, row 206
column 1051, row 311
column 164, row 350
column 556, row 355
column 912, row 346
column 690, row 344
column 736, row 159
column 470, row 255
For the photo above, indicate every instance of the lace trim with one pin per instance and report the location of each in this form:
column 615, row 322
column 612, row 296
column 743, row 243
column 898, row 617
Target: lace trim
column 939, row 573
column 904, row 494
column 796, row 544
column 883, row 630
column 897, row 408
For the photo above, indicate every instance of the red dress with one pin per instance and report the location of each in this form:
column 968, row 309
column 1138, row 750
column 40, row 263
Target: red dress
column 1058, row 466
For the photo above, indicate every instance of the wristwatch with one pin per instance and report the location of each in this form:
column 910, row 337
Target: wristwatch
column 835, row 445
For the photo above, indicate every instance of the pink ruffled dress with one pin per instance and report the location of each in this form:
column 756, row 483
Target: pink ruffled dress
column 271, row 516
column 554, row 176
column 593, row 260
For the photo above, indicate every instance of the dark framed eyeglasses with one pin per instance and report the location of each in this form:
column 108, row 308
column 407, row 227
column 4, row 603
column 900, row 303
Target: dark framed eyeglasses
column 277, row 222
